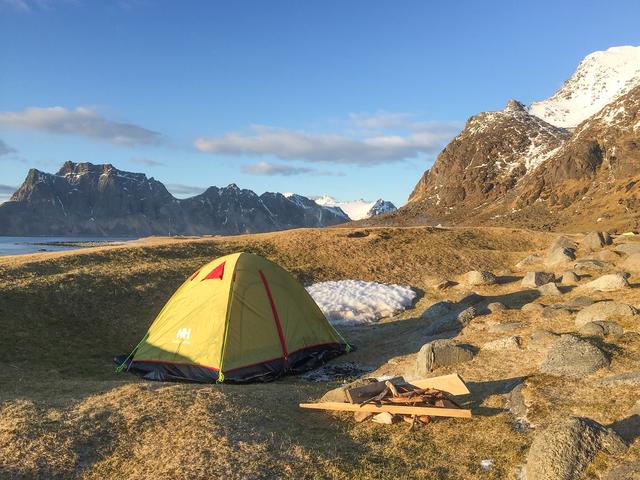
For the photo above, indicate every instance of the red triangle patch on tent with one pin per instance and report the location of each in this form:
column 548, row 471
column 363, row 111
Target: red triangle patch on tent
column 217, row 272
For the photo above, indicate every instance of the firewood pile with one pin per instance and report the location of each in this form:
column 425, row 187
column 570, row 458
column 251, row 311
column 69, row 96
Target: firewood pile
column 394, row 400
column 405, row 395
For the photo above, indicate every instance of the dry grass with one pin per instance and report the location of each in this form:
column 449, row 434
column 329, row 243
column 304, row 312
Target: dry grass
column 65, row 414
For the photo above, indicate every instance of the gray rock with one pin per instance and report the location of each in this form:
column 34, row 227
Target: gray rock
column 607, row 256
column 532, row 308
column 549, row 290
column 630, row 378
column 516, row 403
column 569, row 278
column 505, row 343
column 591, row 329
column 602, row 311
column 590, row 264
column 494, row 307
column 601, row 329
column 632, row 263
column 595, row 241
column 468, row 314
column 440, row 353
column 504, row 327
column 579, row 302
column 628, row 248
column 563, row 242
column 565, row 449
column 560, row 256
column 556, row 311
column 570, row 356
column 527, row 261
column 535, row 279
column 476, row 277
column 541, row 336
column 609, row 283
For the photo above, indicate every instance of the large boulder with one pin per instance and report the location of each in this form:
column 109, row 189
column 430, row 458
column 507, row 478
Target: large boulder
column 570, row 356
column 440, row 353
column 609, row 283
column 601, row 329
column 563, row 242
column 549, row 290
column 602, row 311
column 536, row 279
column 632, row 263
column 565, row 449
column 504, row 343
column 476, row 277
column 560, row 256
column 628, row 248
column 569, row 278
column 596, row 240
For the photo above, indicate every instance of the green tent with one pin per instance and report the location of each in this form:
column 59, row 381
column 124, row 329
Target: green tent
column 238, row 318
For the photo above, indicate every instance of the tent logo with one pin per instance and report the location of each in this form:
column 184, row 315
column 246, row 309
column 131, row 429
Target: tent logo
column 183, row 334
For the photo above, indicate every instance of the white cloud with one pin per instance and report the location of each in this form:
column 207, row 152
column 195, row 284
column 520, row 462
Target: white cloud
column 83, row 122
column 265, row 168
column 147, row 162
column 367, row 149
column 181, row 189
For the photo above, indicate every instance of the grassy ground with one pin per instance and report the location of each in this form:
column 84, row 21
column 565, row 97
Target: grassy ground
column 64, row 413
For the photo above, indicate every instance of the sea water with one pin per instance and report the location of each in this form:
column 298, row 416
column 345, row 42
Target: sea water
column 22, row 245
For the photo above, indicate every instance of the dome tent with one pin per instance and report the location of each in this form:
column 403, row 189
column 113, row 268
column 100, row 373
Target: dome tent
column 238, row 318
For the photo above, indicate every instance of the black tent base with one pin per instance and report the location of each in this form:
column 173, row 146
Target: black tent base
column 298, row 362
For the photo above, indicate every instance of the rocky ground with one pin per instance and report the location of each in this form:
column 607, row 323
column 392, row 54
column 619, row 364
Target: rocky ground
column 544, row 329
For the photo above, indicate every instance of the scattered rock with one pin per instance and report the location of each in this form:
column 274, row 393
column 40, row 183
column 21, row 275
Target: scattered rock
column 385, row 418
column 440, row 353
column 610, row 328
column 362, row 416
column 476, row 277
column 632, row 263
column 596, row 240
column 565, row 449
column 505, row 343
column 530, row 260
column 555, row 311
column 517, row 406
column 630, row 378
column 339, row 395
column 560, row 255
column 494, row 307
column 607, row 256
column 628, row 248
column 504, row 327
column 592, row 329
column 533, row 308
column 579, row 302
column 570, row 278
column 590, row 264
column 570, row 356
column 601, row 311
column 563, row 242
column 609, row 283
column 549, row 290
column 468, row 314
column 535, row 279
column 541, row 336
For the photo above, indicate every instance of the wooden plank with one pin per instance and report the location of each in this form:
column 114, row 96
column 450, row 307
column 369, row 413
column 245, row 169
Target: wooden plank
column 452, row 384
column 395, row 409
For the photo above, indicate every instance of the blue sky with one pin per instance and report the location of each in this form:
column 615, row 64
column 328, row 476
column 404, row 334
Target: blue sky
column 348, row 98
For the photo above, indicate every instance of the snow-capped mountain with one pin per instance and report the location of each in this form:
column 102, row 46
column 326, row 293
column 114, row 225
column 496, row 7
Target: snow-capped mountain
column 358, row 209
column 526, row 167
column 600, row 78
column 88, row 199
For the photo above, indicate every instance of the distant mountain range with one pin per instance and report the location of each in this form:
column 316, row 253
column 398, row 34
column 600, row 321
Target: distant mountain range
column 569, row 162
column 88, row 199
column 358, row 209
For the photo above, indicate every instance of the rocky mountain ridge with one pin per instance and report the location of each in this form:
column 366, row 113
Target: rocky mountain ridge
column 88, row 199
column 515, row 168
column 358, row 209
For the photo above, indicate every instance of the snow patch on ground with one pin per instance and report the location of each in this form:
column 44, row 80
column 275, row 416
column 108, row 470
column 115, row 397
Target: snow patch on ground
column 357, row 301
